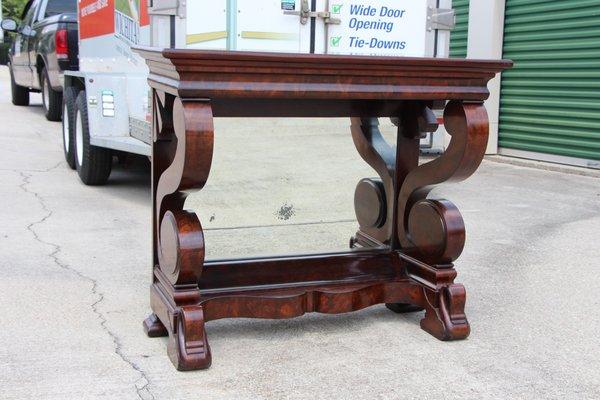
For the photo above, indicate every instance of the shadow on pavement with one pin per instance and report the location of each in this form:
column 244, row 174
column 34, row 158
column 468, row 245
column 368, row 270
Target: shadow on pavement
column 131, row 177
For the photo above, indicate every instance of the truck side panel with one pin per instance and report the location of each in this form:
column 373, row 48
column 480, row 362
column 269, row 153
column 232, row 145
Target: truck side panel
column 114, row 76
column 107, row 30
column 206, row 25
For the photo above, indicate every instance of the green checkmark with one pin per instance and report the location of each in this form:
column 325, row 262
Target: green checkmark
column 336, row 8
column 335, row 41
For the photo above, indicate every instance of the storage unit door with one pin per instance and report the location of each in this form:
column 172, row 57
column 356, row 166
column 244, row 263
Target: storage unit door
column 550, row 100
column 458, row 36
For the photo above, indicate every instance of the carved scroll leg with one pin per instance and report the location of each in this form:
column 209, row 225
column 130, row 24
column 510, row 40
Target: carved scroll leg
column 153, row 327
column 433, row 231
column 374, row 197
column 181, row 260
column 188, row 346
column 445, row 313
column 182, row 156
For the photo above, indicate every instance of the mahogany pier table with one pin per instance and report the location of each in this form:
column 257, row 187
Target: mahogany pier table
column 403, row 252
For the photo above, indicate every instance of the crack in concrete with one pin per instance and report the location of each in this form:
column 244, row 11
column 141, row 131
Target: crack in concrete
column 142, row 384
column 30, row 170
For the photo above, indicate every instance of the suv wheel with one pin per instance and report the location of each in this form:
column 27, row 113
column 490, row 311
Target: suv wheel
column 20, row 94
column 52, row 99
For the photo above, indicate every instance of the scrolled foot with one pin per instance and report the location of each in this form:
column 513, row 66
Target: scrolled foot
column 447, row 321
column 153, row 327
column 188, row 346
column 402, row 308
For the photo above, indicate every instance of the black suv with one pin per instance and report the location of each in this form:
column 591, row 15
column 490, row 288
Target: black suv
column 45, row 45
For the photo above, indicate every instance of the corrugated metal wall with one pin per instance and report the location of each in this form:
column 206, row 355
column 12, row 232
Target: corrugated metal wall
column 458, row 36
column 550, row 100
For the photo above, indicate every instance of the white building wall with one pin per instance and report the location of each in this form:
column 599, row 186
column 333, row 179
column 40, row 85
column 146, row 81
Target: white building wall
column 486, row 32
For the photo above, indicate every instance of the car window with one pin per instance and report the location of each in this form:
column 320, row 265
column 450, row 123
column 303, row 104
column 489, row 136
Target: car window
column 55, row 7
column 26, row 9
column 28, row 13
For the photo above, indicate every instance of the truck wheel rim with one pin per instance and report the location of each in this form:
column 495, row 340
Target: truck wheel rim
column 79, row 138
column 45, row 94
column 66, row 140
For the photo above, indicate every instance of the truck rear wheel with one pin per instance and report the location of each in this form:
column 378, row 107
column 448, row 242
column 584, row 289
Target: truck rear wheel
column 52, row 99
column 93, row 163
column 20, row 94
column 68, row 125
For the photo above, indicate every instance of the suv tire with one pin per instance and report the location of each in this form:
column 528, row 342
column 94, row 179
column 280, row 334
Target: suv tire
column 20, row 94
column 52, row 99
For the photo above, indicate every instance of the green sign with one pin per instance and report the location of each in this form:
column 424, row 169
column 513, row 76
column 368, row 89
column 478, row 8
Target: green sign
column 289, row 5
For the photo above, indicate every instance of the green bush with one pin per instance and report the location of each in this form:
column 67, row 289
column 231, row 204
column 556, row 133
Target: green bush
column 13, row 9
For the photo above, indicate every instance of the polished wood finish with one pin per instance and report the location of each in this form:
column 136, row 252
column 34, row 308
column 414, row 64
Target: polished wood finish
column 403, row 252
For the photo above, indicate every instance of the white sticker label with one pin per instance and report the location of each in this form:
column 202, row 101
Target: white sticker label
column 385, row 27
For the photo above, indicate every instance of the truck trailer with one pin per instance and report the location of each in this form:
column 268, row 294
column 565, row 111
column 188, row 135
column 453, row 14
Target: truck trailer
column 106, row 102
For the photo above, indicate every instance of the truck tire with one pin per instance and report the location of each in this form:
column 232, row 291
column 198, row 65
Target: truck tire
column 93, row 163
column 20, row 94
column 68, row 125
column 52, row 99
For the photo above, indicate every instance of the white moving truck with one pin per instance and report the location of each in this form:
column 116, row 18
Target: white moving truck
column 106, row 107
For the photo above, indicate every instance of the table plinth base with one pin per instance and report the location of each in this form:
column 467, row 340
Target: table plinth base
column 293, row 286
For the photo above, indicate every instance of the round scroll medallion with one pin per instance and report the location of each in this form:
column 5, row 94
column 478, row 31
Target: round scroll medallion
column 181, row 253
column 437, row 229
column 169, row 244
column 369, row 203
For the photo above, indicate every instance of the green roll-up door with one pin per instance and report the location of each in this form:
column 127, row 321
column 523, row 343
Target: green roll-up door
column 458, row 36
column 550, row 100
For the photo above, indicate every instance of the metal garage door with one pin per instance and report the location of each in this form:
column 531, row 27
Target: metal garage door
column 550, row 101
column 458, row 37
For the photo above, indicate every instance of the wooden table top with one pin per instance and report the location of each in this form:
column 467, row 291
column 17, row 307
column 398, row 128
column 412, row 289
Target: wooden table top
column 223, row 76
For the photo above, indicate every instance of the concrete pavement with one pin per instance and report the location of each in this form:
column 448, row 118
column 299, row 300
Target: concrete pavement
column 75, row 272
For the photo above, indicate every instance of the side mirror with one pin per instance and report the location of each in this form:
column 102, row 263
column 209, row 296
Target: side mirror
column 9, row 25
